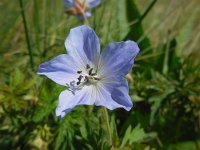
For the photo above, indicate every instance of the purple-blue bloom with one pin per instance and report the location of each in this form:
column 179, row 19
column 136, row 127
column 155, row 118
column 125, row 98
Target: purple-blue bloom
column 80, row 7
column 92, row 78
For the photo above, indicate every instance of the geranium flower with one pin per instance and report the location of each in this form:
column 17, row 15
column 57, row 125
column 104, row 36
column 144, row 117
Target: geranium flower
column 92, row 78
column 80, row 7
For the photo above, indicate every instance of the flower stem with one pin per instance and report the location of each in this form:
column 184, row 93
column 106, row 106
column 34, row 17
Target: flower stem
column 86, row 22
column 147, row 10
column 26, row 33
column 105, row 113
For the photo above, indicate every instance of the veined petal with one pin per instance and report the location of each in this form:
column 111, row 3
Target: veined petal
column 83, row 45
column 93, row 3
column 118, row 58
column 113, row 93
column 60, row 69
column 68, row 100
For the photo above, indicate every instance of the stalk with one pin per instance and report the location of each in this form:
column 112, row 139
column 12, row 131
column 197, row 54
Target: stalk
column 105, row 113
column 147, row 10
column 27, row 35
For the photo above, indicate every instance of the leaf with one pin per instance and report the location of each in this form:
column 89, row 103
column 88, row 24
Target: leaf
column 187, row 145
column 164, row 91
column 83, row 131
column 47, row 104
column 64, row 135
column 126, row 136
column 43, row 112
column 136, row 135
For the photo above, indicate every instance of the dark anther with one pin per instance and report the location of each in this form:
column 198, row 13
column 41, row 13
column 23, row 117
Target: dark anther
column 90, row 71
column 79, row 72
column 79, row 78
column 78, row 82
column 87, row 66
column 93, row 74
column 96, row 78
column 86, row 79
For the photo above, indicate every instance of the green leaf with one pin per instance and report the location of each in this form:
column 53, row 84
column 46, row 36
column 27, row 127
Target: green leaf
column 126, row 136
column 158, row 100
column 187, row 145
column 43, row 112
column 136, row 135
column 47, row 104
column 64, row 135
column 83, row 131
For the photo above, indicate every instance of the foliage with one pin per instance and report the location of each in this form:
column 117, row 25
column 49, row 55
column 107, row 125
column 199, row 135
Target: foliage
column 164, row 83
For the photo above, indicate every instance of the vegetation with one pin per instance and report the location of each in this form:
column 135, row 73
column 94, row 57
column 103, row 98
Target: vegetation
column 164, row 83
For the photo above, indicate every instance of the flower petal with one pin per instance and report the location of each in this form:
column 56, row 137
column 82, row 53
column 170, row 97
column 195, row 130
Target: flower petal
column 68, row 4
column 113, row 93
column 83, row 45
column 118, row 57
column 68, row 100
column 60, row 69
column 93, row 3
column 109, row 94
column 87, row 15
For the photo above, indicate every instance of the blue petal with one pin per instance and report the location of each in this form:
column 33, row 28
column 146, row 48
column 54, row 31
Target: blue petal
column 87, row 15
column 90, row 3
column 118, row 57
column 60, row 69
column 93, row 3
column 83, row 45
column 113, row 93
column 68, row 100
column 68, row 4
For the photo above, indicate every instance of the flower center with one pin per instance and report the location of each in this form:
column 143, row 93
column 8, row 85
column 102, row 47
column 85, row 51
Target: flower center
column 83, row 79
column 89, row 78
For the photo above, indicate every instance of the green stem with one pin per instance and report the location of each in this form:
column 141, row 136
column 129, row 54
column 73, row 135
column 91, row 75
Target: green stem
column 109, row 22
column 44, row 29
column 86, row 22
column 36, row 24
column 105, row 113
column 147, row 10
column 26, row 33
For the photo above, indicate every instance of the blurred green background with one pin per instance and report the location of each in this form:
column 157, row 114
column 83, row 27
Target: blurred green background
column 164, row 83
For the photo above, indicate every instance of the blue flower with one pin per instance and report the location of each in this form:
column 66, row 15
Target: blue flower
column 92, row 78
column 80, row 7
